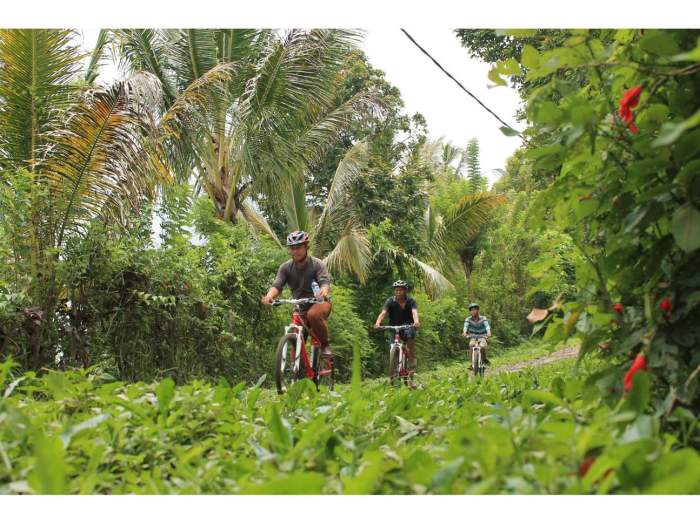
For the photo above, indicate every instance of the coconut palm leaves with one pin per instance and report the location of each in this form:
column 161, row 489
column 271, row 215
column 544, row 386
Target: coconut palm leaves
column 90, row 152
column 274, row 116
column 446, row 235
column 100, row 162
column 36, row 71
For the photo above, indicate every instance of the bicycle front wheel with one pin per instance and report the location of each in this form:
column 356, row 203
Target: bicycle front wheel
column 285, row 374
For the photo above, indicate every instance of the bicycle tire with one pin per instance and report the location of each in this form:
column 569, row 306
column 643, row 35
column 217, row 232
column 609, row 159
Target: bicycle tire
column 393, row 365
column 287, row 376
column 402, row 367
column 476, row 361
column 321, row 364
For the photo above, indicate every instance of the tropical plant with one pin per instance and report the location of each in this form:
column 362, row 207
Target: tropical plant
column 79, row 154
column 258, row 125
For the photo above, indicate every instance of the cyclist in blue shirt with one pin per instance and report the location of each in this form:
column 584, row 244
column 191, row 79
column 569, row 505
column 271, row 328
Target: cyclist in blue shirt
column 476, row 324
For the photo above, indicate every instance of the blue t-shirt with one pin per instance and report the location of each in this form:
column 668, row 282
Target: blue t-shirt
column 478, row 326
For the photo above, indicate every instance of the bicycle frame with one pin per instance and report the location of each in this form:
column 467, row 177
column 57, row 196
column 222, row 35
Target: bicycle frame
column 297, row 328
column 400, row 346
column 477, row 361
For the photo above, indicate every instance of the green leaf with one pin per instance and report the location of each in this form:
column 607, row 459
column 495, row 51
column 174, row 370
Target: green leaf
column 690, row 56
column 48, row 476
column 670, row 132
column 281, row 431
column 686, row 228
column 658, row 43
column 165, row 393
column 495, row 78
column 545, row 397
column 521, row 33
column 582, row 114
column 301, row 483
column 67, row 435
column 508, row 67
column 639, row 395
column 676, row 473
column 509, row 131
column 530, row 58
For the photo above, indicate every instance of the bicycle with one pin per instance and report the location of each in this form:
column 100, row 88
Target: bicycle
column 397, row 361
column 477, row 363
column 291, row 352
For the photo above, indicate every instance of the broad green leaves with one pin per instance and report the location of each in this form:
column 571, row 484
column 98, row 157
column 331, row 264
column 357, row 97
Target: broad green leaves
column 686, row 228
column 455, row 435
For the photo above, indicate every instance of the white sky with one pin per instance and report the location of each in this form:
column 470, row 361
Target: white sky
column 449, row 111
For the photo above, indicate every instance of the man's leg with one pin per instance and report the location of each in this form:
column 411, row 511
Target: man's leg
column 316, row 317
column 483, row 352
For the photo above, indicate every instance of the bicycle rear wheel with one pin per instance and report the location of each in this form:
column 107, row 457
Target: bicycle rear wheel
column 323, row 368
column 285, row 375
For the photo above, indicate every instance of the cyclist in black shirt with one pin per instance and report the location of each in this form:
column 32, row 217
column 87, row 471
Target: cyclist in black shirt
column 403, row 310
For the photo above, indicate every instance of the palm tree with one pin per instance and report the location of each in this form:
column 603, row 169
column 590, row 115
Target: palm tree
column 344, row 245
column 270, row 119
column 83, row 152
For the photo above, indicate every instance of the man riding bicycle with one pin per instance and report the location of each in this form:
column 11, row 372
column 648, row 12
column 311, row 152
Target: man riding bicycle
column 403, row 310
column 301, row 273
column 478, row 326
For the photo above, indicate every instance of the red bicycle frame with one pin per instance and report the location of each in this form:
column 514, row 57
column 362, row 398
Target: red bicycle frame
column 297, row 320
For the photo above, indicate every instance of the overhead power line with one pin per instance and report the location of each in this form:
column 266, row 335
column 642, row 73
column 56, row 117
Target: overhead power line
column 457, row 81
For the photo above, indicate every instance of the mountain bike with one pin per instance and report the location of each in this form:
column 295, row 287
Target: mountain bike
column 477, row 362
column 291, row 352
column 397, row 355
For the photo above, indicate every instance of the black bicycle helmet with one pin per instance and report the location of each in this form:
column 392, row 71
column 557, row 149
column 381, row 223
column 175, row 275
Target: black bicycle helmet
column 297, row 237
column 400, row 283
column 473, row 304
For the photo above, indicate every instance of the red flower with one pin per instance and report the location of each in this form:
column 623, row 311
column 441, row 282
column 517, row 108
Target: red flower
column 628, row 101
column 666, row 305
column 639, row 364
column 618, row 308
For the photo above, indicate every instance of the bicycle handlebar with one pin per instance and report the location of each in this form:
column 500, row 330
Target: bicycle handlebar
column 298, row 301
column 396, row 328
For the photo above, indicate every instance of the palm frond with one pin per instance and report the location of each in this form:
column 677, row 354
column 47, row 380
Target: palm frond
column 96, row 56
column 257, row 221
column 99, row 162
column 465, row 219
column 38, row 67
column 147, row 50
column 352, row 254
column 336, row 210
column 294, row 203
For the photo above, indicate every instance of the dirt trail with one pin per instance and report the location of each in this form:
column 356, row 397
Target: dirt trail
column 560, row 354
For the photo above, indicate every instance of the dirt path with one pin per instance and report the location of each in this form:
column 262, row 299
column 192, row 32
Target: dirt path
column 560, row 354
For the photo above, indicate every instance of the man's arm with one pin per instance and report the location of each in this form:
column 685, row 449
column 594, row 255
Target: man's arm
column 464, row 329
column 416, row 321
column 272, row 293
column 488, row 328
column 380, row 318
column 277, row 285
column 323, row 279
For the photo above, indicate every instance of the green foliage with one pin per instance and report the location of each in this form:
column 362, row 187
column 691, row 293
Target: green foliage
column 523, row 432
column 625, row 193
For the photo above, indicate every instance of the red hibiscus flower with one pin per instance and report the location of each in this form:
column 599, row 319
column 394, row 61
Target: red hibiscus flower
column 628, row 101
column 639, row 364
column 666, row 305
column 618, row 308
